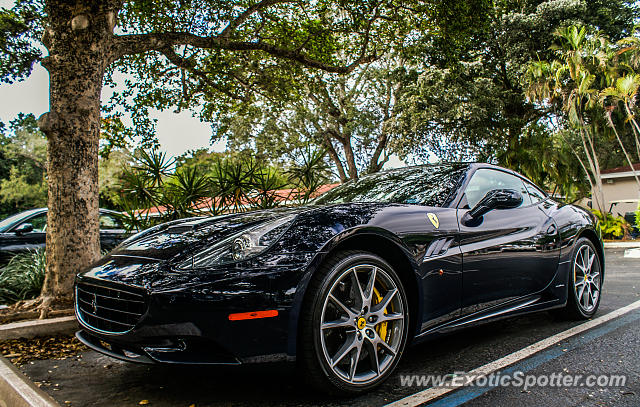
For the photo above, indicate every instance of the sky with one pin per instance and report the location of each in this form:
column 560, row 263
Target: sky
column 176, row 132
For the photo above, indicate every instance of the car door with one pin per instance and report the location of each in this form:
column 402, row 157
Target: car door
column 510, row 253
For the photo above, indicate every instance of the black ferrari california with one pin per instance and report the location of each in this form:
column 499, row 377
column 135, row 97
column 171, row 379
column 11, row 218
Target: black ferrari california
column 344, row 284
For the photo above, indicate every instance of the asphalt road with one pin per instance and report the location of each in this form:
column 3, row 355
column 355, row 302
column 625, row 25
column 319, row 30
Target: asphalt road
column 611, row 348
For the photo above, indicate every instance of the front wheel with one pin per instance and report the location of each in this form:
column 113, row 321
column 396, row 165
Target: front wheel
column 354, row 323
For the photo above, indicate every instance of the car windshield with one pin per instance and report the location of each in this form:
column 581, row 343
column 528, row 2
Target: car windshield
column 430, row 185
column 6, row 223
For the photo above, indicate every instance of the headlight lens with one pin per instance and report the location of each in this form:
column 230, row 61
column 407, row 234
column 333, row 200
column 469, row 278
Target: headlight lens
column 242, row 245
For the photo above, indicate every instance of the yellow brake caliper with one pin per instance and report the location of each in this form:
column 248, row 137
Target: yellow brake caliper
column 381, row 329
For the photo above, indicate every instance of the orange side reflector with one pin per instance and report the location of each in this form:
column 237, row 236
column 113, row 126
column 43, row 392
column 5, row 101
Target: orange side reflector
column 253, row 315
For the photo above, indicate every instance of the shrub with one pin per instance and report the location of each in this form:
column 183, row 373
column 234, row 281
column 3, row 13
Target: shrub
column 23, row 277
column 612, row 227
column 231, row 184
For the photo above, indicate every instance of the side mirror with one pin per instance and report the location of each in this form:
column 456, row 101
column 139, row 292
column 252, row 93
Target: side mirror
column 23, row 229
column 495, row 199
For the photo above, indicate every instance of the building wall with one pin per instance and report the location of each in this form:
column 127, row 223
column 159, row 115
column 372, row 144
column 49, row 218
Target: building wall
column 620, row 188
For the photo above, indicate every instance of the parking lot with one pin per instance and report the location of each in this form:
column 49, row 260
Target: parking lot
column 612, row 347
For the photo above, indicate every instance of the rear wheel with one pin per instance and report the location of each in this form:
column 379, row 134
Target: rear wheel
column 585, row 281
column 354, row 323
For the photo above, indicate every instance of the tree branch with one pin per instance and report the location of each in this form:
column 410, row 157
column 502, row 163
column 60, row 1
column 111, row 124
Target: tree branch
column 247, row 13
column 189, row 65
column 140, row 43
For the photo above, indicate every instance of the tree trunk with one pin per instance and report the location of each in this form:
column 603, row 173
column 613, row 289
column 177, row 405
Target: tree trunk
column 79, row 38
column 333, row 154
column 374, row 163
column 350, row 158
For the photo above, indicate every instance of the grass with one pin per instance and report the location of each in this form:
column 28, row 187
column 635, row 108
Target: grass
column 23, row 277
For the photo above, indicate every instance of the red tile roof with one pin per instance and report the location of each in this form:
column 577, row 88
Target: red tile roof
column 280, row 195
column 627, row 168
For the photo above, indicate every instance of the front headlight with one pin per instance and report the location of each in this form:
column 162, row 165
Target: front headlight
column 240, row 246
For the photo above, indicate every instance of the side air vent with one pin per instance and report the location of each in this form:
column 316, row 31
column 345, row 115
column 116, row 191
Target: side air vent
column 438, row 247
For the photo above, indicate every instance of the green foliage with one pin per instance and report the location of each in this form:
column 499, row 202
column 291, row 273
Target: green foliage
column 111, row 173
column 310, row 173
column 23, row 163
column 23, row 153
column 211, row 183
column 19, row 28
column 347, row 115
column 221, row 81
column 23, row 277
column 472, row 103
column 612, row 227
column 593, row 83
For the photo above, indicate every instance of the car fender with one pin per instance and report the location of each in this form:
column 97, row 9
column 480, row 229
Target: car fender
column 341, row 240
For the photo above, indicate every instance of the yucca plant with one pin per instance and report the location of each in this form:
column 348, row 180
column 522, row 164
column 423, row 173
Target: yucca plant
column 266, row 183
column 155, row 165
column 309, row 173
column 23, row 277
column 183, row 191
column 231, row 183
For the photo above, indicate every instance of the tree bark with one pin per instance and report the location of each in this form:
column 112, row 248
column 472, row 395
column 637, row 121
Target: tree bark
column 350, row 157
column 80, row 38
column 333, row 154
column 374, row 163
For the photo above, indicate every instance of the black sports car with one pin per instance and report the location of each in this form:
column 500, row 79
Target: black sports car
column 344, row 284
column 26, row 231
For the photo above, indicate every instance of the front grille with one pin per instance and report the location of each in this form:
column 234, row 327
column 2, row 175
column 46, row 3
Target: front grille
column 109, row 309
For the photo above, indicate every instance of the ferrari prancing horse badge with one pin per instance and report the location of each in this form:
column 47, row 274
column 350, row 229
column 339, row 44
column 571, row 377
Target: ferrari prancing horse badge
column 434, row 220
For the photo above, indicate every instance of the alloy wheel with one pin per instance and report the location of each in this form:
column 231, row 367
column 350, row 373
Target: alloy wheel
column 586, row 278
column 362, row 324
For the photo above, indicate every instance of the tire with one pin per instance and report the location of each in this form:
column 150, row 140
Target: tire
column 351, row 341
column 584, row 283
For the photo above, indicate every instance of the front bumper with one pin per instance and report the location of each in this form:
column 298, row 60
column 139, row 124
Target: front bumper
column 191, row 325
column 178, row 352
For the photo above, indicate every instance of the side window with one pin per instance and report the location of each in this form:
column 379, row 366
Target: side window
column 109, row 222
column 535, row 193
column 485, row 180
column 39, row 223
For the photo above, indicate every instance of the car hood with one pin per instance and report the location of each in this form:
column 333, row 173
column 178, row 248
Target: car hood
column 143, row 259
column 185, row 236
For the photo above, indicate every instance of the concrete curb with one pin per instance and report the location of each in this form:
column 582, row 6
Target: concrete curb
column 38, row 327
column 621, row 245
column 16, row 390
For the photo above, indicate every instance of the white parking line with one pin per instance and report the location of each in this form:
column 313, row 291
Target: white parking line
column 435, row 392
column 632, row 253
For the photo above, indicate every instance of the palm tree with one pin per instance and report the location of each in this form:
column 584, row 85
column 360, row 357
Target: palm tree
column 569, row 79
column 625, row 92
column 586, row 78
